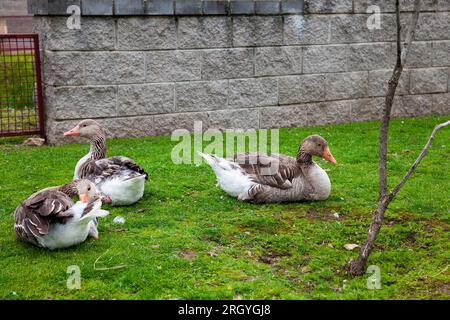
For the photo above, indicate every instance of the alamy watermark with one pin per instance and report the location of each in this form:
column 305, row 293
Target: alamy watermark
column 74, row 280
column 226, row 142
column 74, row 21
column 374, row 280
column 374, row 20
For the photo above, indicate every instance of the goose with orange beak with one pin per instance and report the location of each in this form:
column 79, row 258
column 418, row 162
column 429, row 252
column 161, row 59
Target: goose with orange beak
column 119, row 180
column 49, row 218
column 262, row 178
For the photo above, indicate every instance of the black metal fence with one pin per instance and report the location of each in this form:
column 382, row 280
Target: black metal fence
column 21, row 99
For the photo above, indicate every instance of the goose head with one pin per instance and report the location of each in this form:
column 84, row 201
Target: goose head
column 86, row 190
column 86, row 128
column 315, row 145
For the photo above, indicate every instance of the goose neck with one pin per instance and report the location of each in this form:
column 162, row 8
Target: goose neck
column 303, row 157
column 98, row 147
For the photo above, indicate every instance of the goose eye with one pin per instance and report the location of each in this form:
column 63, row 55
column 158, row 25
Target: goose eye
column 89, row 189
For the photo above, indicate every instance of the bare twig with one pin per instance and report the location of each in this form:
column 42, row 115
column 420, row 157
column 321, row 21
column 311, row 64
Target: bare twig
column 411, row 31
column 357, row 267
column 402, row 54
column 405, row 178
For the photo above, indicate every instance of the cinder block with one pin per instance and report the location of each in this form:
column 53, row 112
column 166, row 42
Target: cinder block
column 278, row 61
column 283, row 117
column 379, row 82
column 306, row 29
column 37, row 7
column 145, row 99
column 173, row 65
column 329, row 112
column 201, row 95
column 441, row 103
column 59, row 7
column 242, row 7
column 318, row 59
column 116, row 67
column 267, row 7
column 96, row 34
column 412, row 106
column 421, row 55
column 292, row 6
column 371, row 56
column 97, row 7
column 441, row 53
column 160, row 7
column 51, row 7
column 204, row 32
column 257, row 31
column 349, row 29
column 431, row 80
column 330, row 6
column 433, row 26
column 215, row 7
column 248, row 93
column 301, row 89
column 143, row 33
column 227, row 63
column 367, row 109
column 64, row 68
column 349, row 85
column 66, row 98
column 188, row 7
column 128, row 7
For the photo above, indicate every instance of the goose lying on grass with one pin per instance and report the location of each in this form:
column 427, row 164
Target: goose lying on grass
column 49, row 218
column 260, row 178
column 119, row 179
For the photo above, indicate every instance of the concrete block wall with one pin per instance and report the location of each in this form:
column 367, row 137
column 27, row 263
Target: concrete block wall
column 150, row 67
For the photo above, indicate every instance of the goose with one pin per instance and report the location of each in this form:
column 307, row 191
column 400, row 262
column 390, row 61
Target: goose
column 49, row 218
column 261, row 178
column 118, row 179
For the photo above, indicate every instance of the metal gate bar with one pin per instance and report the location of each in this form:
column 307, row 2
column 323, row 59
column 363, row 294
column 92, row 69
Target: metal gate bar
column 21, row 99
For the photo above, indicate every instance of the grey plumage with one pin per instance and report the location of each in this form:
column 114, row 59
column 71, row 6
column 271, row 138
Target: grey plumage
column 33, row 216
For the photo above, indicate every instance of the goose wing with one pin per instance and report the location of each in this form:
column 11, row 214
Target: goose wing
column 275, row 170
column 111, row 166
column 34, row 215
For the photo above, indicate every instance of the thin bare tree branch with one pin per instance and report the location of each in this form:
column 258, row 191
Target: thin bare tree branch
column 412, row 31
column 405, row 178
column 357, row 267
column 389, row 101
column 402, row 54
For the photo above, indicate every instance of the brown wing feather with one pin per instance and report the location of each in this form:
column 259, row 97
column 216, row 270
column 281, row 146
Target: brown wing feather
column 275, row 171
column 34, row 215
column 128, row 163
column 109, row 166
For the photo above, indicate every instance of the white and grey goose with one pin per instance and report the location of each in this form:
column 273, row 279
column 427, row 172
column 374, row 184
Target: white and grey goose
column 119, row 179
column 260, row 178
column 50, row 219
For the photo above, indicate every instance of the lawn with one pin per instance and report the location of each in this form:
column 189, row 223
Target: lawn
column 17, row 81
column 186, row 239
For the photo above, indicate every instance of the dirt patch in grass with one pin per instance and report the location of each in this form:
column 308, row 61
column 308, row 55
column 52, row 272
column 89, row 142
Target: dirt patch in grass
column 271, row 257
column 188, row 255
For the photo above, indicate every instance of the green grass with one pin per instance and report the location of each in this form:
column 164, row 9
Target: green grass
column 17, row 81
column 18, row 120
column 188, row 239
column 17, row 109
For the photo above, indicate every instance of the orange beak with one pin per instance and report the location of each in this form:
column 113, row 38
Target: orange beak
column 84, row 198
column 75, row 132
column 328, row 156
